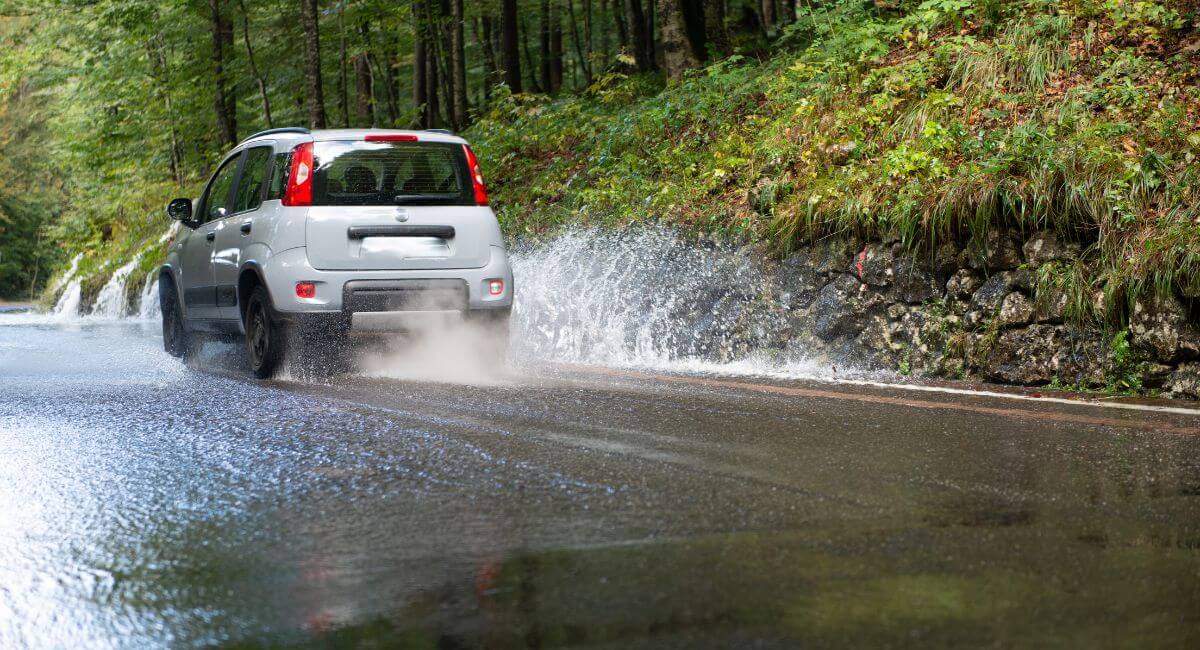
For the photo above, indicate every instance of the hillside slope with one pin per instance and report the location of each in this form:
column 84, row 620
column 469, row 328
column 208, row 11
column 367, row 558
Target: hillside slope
column 981, row 128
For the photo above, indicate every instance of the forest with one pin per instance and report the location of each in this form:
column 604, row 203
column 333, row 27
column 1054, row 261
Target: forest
column 772, row 121
column 109, row 105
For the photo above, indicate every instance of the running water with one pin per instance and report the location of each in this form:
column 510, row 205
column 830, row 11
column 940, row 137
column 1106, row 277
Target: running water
column 148, row 307
column 68, row 302
column 649, row 299
column 637, row 299
column 112, row 301
column 68, row 276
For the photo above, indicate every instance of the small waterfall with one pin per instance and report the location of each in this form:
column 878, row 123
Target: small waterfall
column 68, row 302
column 648, row 298
column 68, row 276
column 111, row 302
column 148, row 307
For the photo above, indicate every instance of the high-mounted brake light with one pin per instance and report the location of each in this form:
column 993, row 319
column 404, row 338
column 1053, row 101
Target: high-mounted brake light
column 306, row 290
column 299, row 190
column 495, row 287
column 481, row 197
column 388, row 137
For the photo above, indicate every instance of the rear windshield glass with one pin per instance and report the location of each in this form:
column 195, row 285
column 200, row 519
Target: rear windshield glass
column 390, row 173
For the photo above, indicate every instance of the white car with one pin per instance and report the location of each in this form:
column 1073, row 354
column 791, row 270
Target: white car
column 302, row 233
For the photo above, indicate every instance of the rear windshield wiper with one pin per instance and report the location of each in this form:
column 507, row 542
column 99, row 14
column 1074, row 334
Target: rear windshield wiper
column 417, row 199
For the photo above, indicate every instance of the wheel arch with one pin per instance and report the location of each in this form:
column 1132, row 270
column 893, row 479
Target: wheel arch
column 248, row 278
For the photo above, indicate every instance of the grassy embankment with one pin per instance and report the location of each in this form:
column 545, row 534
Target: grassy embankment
column 953, row 119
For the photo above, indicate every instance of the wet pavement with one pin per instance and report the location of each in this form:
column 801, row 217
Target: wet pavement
column 147, row 503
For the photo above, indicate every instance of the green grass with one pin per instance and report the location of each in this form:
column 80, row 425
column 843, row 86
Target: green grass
column 946, row 122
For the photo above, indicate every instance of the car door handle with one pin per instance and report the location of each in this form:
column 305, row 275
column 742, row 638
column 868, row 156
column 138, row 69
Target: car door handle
column 211, row 236
column 246, row 227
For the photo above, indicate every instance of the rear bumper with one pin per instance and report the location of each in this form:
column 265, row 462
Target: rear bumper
column 284, row 270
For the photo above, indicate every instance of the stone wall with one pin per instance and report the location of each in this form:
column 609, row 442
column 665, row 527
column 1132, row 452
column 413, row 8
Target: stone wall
column 974, row 312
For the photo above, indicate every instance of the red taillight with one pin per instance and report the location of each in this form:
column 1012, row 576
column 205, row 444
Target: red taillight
column 306, row 290
column 495, row 287
column 387, row 137
column 476, row 178
column 299, row 187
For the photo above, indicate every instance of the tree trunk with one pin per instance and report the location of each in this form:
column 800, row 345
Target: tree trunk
column 223, row 105
column 510, row 45
column 556, row 49
column 529, row 61
column 458, row 65
column 314, row 100
column 489, row 55
column 420, row 101
column 343, row 89
column 768, row 17
column 715, row 31
column 637, row 35
column 261, row 79
column 618, row 15
column 544, row 47
column 677, row 51
column 162, row 79
column 364, row 90
column 583, row 46
column 391, row 65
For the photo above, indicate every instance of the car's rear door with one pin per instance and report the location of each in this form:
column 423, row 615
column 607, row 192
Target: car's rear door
column 395, row 205
column 196, row 259
column 235, row 231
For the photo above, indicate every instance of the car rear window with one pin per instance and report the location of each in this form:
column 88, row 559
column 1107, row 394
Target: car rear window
column 390, row 173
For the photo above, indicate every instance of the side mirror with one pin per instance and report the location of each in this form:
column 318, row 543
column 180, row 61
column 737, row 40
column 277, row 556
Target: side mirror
column 180, row 210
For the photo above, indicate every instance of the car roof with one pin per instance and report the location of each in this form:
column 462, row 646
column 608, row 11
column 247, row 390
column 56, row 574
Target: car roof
column 321, row 135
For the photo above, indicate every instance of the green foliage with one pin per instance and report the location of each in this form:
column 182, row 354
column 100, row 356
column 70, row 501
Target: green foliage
column 942, row 121
column 1125, row 370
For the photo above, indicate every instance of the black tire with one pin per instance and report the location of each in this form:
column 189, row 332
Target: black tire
column 266, row 338
column 176, row 339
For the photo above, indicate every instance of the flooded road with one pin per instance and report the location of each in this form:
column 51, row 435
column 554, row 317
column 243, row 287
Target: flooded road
column 147, row 503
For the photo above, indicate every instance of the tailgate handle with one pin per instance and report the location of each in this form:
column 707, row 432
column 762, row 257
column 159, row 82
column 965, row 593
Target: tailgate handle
column 361, row 232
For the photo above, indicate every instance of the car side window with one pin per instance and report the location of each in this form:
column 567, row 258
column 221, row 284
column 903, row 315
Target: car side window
column 280, row 165
column 254, row 175
column 216, row 201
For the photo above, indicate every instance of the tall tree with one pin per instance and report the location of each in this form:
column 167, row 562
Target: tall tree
column 259, row 78
column 768, row 17
column 556, row 49
column 715, row 30
column 490, row 68
column 510, row 45
column 314, row 99
column 224, row 105
column 343, row 87
column 363, row 81
column 678, row 56
column 458, row 66
column 420, row 66
column 638, row 35
column 583, row 45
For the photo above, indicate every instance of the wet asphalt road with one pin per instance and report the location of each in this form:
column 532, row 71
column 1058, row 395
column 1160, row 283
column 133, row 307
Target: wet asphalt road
column 145, row 503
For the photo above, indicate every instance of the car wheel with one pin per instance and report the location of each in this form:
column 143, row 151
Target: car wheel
column 265, row 338
column 176, row 340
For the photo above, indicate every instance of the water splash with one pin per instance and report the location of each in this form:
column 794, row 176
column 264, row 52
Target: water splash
column 148, row 307
column 112, row 301
column 650, row 299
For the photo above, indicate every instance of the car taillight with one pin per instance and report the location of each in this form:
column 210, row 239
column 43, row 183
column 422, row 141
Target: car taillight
column 495, row 287
column 306, row 290
column 299, row 187
column 481, row 197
